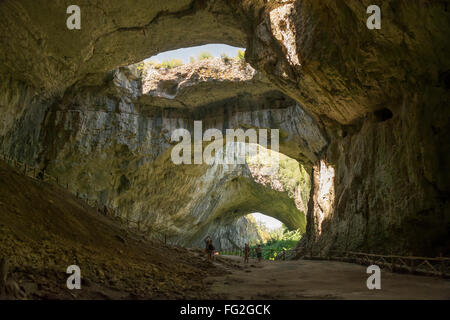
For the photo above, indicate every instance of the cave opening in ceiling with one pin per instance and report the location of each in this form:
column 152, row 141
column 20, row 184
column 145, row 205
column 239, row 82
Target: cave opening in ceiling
column 191, row 54
column 209, row 54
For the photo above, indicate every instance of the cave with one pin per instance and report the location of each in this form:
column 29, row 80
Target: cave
column 361, row 113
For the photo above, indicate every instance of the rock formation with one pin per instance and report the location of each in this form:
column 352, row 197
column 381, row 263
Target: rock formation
column 370, row 106
column 112, row 143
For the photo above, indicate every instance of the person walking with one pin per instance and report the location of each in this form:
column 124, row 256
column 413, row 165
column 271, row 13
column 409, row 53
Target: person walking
column 210, row 249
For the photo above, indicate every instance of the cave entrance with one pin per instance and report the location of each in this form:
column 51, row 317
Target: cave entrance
column 269, row 191
column 265, row 223
column 272, row 236
column 263, row 231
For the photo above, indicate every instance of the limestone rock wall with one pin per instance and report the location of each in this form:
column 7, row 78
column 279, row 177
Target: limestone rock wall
column 390, row 184
column 232, row 235
column 108, row 143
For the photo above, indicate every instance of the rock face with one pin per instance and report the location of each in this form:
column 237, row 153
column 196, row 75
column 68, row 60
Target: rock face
column 375, row 104
column 113, row 143
column 390, row 184
column 231, row 235
column 175, row 84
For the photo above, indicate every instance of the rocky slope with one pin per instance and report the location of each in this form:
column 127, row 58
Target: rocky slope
column 44, row 229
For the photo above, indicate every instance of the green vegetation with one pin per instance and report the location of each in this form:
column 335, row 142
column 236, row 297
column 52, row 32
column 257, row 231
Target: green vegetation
column 225, row 58
column 276, row 241
column 204, row 55
column 167, row 64
column 141, row 66
column 241, row 55
column 173, row 63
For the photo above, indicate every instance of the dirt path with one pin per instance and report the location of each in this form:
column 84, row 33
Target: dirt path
column 307, row 279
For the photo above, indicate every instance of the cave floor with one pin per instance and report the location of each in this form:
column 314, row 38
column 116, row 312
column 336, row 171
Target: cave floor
column 44, row 229
column 313, row 279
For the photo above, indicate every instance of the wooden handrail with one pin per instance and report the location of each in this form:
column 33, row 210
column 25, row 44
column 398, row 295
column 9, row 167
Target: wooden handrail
column 396, row 263
column 91, row 202
column 396, row 256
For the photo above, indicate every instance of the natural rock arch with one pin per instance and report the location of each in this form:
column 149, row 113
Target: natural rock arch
column 392, row 176
column 113, row 143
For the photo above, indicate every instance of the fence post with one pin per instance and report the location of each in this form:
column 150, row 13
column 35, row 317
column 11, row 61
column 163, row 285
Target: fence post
column 412, row 263
column 392, row 262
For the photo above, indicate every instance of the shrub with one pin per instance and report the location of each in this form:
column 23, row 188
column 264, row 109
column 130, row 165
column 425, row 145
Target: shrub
column 142, row 67
column 168, row 64
column 225, row 58
column 241, row 55
column 172, row 63
column 278, row 240
column 204, row 55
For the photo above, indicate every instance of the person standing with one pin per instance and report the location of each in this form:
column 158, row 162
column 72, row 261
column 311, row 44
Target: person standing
column 246, row 252
column 210, row 249
column 259, row 253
